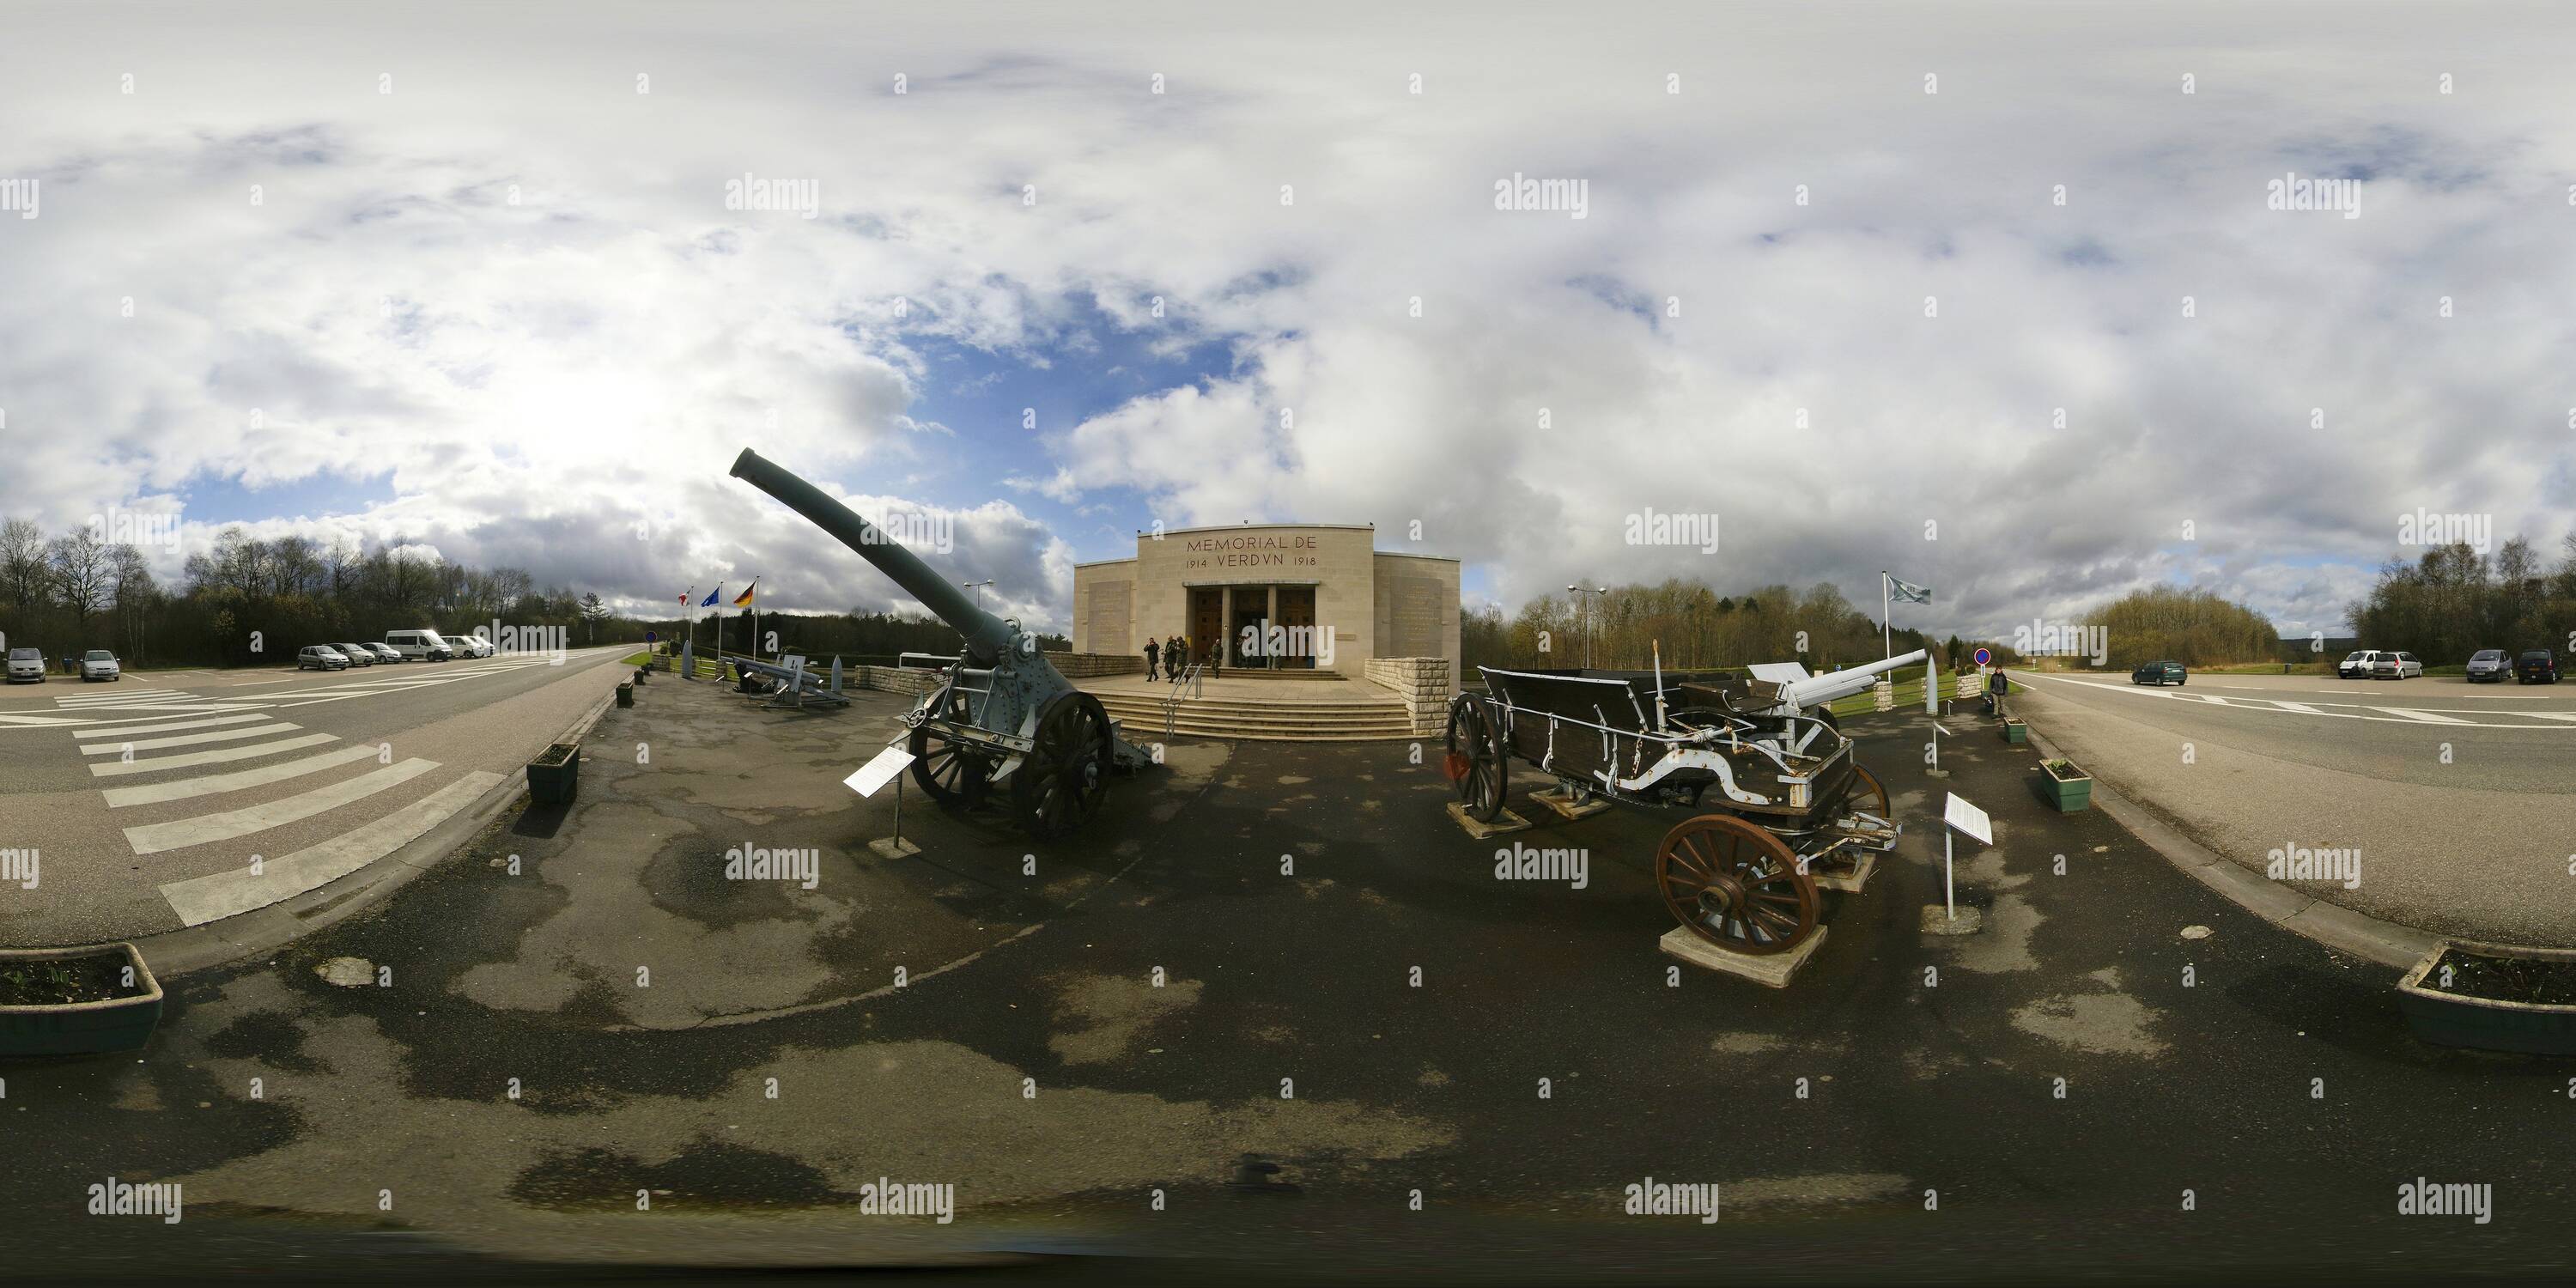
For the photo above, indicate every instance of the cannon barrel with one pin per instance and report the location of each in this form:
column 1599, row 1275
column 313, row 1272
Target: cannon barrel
column 987, row 636
column 1817, row 689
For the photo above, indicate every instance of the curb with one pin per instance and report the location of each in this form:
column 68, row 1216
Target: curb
column 2332, row 925
column 219, row 943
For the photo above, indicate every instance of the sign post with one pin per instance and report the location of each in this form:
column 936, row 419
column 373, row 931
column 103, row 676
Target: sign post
column 871, row 778
column 1960, row 816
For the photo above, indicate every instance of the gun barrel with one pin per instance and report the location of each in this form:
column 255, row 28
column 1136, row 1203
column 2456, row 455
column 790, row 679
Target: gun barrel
column 986, row 635
column 1844, row 683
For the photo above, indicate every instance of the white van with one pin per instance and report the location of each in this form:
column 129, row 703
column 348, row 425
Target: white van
column 420, row 646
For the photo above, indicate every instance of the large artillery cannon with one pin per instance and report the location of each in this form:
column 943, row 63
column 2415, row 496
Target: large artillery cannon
column 1789, row 808
column 1002, row 716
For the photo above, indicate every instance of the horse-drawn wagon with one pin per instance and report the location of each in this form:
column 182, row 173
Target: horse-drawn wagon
column 1780, row 805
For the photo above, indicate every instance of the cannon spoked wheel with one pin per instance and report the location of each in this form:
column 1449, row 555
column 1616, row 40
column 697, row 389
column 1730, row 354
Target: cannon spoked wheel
column 1066, row 773
column 1475, row 759
column 1735, row 885
column 955, row 776
column 1867, row 795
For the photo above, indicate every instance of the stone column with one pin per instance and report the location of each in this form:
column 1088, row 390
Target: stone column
column 1269, row 614
column 1224, row 623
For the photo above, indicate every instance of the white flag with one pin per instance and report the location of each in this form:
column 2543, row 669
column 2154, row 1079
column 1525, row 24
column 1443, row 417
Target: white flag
column 1908, row 591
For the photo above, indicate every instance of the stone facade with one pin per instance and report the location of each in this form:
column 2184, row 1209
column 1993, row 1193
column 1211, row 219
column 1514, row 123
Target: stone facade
column 1329, row 588
column 1423, row 683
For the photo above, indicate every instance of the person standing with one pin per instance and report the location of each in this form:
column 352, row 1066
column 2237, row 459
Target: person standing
column 1997, row 686
column 1152, row 650
column 1176, row 655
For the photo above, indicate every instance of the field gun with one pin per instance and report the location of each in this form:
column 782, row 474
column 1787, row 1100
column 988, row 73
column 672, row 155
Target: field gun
column 1002, row 716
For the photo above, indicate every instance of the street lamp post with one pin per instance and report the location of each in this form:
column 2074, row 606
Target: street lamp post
column 1586, row 607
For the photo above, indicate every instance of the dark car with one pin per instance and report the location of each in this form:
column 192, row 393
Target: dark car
column 2536, row 666
column 2159, row 673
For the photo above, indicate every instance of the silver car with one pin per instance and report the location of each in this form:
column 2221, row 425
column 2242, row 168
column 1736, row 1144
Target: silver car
column 2490, row 664
column 2395, row 666
column 26, row 666
column 321, row 657
column 358, row 654
column 384, row 652
column 99, row 664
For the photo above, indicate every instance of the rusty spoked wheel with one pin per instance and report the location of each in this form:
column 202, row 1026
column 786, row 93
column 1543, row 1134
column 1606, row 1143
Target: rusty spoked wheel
column 1868, row 795
column 1474, row 758
column 1735, row 885
column 954, row 775
column 1066, row 773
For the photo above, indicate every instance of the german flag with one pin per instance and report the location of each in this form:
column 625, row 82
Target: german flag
column 747, row 592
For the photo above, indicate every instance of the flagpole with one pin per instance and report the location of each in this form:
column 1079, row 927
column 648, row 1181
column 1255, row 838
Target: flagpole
column 1886, row 629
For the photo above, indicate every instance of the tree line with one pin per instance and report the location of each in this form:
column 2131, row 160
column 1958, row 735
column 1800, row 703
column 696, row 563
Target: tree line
column 246, row 601
column 2174, row 624
column 1697, row 628
column 2453, row 601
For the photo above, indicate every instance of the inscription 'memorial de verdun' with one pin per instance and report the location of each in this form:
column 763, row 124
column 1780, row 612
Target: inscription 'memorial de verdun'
column 1204, row 588
column 1251, row 550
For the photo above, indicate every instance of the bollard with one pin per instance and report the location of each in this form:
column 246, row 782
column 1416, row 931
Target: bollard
column 626, row 694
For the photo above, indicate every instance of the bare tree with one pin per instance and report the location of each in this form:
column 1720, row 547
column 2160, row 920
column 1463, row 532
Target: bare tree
column 24, row 575
column 83, row 570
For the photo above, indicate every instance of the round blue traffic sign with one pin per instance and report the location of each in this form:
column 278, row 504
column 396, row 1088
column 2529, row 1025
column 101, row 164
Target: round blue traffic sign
column 1984, row 657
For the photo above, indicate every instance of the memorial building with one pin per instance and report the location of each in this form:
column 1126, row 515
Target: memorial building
column 1280, row 596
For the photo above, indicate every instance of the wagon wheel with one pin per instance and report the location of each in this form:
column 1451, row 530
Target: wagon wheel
column 1475, row 758
column 1868, row 794
column 953, row 774
column 1066, row 773
column 1735, row 885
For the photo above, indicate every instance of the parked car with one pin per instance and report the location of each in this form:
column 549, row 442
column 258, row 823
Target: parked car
column 2395, row 666
column 358, row 654
column 2160, row 673
column 2536, row 666
column 321, row 657
column 420, row 646
column 2490, row 664
column 383, row 653
column 27, row 664
column 469, row 645
column 99, row 664
column 2356, row 665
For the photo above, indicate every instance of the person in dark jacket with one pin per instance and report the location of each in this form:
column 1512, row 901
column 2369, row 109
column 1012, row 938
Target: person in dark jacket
column 1152, row 651
column 1996, row 687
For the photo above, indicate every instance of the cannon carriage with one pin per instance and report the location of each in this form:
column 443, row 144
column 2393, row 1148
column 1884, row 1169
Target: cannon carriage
column 1779, row 803
column 1003, row 718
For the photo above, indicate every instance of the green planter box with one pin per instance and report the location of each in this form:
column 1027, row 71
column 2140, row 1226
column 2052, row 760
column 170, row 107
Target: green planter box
column 81, row 1028
column 2066, row 787
column 554, row 777
column 626, row 694
column 2016, row 733
column 2489, row 1024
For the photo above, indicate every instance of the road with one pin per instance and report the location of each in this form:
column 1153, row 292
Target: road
column 165, row 801
column 2459, row 799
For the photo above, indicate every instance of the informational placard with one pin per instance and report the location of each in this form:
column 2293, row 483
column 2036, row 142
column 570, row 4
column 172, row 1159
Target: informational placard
column 1969, row 819
column 878, row 772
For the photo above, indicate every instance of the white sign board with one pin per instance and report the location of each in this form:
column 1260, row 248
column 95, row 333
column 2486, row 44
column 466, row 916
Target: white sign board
column 1778, row 672
column 878, row 772
column 1969, row 819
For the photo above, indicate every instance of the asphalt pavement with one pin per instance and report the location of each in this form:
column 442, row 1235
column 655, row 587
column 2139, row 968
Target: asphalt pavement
column 1273, row 1013
column 2456, row 801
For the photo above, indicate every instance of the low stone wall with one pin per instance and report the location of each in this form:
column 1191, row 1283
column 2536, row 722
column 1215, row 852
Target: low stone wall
column 1083, row 666
column 1423, row 683
column 892, row 679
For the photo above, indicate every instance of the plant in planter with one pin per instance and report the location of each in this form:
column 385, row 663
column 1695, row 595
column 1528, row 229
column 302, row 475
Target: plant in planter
column 2495, row 997
column 2066, row 787
column 76, row 1001
column 554, row 777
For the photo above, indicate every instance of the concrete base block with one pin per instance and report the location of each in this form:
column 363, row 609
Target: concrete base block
column 1937, row 920
column 1773, row 971
column 1848, row 884
column 1562, row 801
column 1504, row 822
column 893, row 847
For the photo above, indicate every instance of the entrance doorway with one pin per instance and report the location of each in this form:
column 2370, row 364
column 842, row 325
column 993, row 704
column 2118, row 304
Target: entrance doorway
column 1207, row 623
column 1297, row 613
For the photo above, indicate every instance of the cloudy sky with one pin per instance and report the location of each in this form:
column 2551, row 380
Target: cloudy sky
column 465, row 277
